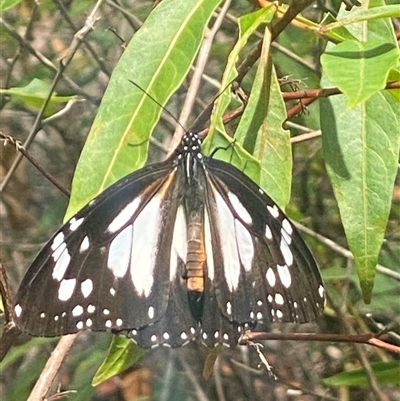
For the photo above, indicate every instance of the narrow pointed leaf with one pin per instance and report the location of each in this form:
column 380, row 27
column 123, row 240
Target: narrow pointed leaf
column 118, row 140
column 122, row 354
column 261, row 133
column 361, row 148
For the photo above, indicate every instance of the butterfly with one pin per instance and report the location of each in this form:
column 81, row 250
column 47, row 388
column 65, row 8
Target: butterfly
column 188, row 248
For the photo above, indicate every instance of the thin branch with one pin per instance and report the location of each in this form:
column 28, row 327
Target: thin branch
column 89, row 47
column 52, row 368
column 343, row 251
column 306, row 137
column 321, row 93
column 369, row 339
column 9, row 140
column 11, row 331
column 348, row 328
column 133, row 21
column 198, row 72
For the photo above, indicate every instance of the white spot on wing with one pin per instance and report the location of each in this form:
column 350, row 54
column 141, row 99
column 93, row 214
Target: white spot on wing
column 279, row 299
column 284, row 275
column 74, row 223
column 57, row 241
column 77, row 311
column 226, row 225
column 120, row 252
column 239, row 208
column 18, row 310
column 268, row 232
column 61, row 264
column 229, row 308
column 58, row 251
column 285, row 236
column 321, row 291
column 124, row 216
column 84, row 245
column 274, row 211
column 86, row 287
column 91, row 308
column 144, row 246
column 270, row 276
column 179, row 242
column 208, row 246
column 150, row 312
column 286, row 252
column 245, row 245
column 66, row 289
column 287, row 226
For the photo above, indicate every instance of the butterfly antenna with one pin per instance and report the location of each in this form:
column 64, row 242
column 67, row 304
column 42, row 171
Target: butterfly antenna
column 159, row 104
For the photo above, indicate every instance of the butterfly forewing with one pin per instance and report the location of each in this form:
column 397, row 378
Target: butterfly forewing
column 178, row 250
column 104, row 269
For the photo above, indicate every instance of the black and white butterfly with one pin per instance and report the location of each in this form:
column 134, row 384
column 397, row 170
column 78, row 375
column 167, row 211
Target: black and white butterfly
column 183, row 249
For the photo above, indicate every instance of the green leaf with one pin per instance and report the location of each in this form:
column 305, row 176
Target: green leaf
column 118, row 140
column 360, row 15
column 122, row 354
column 34, row 94
column 7, row 4
column 385, row 372
column 361, row 148
column 260, row 130
column 248, row 24
column 209, row 363
column 240, row 157
column 359, row 69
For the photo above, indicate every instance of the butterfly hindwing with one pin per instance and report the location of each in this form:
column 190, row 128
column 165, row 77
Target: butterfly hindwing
column 268, row 272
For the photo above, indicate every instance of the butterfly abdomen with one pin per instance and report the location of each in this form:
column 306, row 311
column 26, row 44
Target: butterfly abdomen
column 196, row 256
